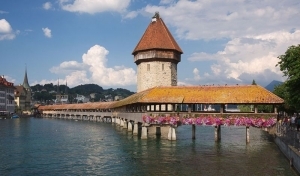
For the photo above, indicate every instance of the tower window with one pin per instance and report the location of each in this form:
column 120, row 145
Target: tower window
column 148, row 67
column 163, row 67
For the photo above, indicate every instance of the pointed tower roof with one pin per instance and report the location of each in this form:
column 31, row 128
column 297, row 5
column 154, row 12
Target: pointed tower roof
column 157, row 36
column 66, row 89
column 25, row 82
column 58, row 92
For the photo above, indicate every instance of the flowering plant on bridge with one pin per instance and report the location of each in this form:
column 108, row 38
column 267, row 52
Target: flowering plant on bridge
column 230, row 121
column 211, row 120
column 160, row 120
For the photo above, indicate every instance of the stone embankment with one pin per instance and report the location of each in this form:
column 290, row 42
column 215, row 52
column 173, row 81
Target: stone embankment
column 288, row 141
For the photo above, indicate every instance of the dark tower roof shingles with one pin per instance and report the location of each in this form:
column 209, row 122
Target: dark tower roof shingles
column 157, row 36
column 25, row 82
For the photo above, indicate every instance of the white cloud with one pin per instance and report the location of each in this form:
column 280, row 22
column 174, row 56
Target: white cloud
column 5, row 26
column 227, row 19
column 47, row 32
column 47, row 5
column 94, row 6
column 244, row 59
column 93, row 69
column 131, row 15
column 166, row 2
column 196, row 74
column 2, row 12
column 9, row 79
column 68, row 67
column 6, row 32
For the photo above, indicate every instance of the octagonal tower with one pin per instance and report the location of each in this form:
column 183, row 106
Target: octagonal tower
column 156, row 56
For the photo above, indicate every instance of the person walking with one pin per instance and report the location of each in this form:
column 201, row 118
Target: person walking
column 293, row 121
column 298, row 123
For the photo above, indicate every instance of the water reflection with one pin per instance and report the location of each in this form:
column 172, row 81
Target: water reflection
column 65, row 147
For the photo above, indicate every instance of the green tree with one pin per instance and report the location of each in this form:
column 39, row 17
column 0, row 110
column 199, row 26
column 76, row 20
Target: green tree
column 289, row 64
column 265, row 108
column 245, row 108
column 253, row 82
column 281, row 91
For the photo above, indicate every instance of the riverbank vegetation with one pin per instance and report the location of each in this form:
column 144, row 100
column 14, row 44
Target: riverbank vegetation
column 289, row 64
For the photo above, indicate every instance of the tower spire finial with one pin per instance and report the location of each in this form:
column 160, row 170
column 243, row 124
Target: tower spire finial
column 66, row 91
column 25, row 82
column 156, row 15
column 58, row 86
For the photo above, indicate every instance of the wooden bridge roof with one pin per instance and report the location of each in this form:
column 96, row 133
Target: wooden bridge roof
column 237, row 94
column 86, row 106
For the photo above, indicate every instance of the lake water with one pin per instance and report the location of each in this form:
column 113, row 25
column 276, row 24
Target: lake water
column 33, row 146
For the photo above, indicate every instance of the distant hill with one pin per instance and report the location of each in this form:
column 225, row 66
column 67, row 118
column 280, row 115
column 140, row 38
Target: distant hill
column 270, row 87
column 48, row 92
column 86, row 89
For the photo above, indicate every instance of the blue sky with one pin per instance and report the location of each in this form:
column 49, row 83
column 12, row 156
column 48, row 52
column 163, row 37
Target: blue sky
column 91, row 41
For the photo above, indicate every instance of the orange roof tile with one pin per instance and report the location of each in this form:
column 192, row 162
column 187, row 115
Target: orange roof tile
column 84, row 106
column 157, row 36
column 19, row 90
column 241, row 94
column 247, row 94
column 4, row 82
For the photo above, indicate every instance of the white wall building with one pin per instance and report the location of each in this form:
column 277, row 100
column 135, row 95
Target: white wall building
column 7, row 103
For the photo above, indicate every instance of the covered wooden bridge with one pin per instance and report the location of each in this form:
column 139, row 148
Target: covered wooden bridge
column 167, row 107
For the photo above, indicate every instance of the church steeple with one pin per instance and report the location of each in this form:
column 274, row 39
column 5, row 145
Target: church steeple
column 66, row 90
column 58, row 92
column 25, row 82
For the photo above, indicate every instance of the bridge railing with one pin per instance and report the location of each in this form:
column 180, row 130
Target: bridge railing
column 87, row 113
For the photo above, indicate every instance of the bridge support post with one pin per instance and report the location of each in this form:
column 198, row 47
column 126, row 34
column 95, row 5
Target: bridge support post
column 144, row 133
column 172, row 134
column 247, row 134
column 193, row 131
column 125, row 126
column 154, row 131
column 217, row 133
column 129, row 126
column 135, row 128
column 158, row 131
column 122, row 123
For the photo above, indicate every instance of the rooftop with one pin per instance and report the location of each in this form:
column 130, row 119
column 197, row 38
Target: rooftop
column 157, row 36
column 235, row 94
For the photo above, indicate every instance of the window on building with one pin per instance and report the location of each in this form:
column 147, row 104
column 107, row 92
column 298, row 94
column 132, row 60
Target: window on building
column 163, row 67
column 148, row 67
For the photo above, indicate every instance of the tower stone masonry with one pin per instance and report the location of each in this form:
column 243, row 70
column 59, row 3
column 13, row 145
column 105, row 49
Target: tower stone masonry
column 156, row 56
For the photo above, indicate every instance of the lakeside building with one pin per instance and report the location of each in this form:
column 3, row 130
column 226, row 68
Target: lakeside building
column 7, row 104
column 62, row 97
column 23, row 96
column 81, row 99
column 156, row 56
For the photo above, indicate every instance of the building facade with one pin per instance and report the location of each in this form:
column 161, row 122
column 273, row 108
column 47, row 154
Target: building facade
column 62, row 97
column 23, row 96
column 7, row 103
column 156, row 56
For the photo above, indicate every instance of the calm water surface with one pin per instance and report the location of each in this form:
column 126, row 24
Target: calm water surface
column 32, row 146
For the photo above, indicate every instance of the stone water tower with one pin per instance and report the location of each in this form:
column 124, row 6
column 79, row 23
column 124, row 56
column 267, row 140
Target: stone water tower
column 156, row 56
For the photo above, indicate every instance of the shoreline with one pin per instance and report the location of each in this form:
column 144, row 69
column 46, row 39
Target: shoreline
column 288, row 144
